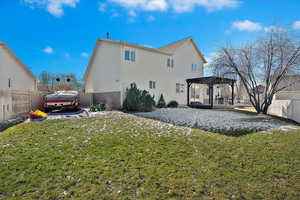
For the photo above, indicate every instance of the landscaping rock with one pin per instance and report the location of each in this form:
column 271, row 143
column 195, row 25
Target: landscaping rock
column 220, row 121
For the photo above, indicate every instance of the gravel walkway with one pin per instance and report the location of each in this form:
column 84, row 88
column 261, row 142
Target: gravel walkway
column 216, row 120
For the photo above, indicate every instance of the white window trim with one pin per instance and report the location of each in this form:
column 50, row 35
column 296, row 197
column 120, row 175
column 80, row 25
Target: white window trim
column 125, row 55
column 132, row 55
column 180, row 88
column 171, row 62
column 152, row 85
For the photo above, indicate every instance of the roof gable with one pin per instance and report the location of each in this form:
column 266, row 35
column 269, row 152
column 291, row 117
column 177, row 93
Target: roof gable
column 134, row 46
column 172, row 47
column 168, row 50
column 13, row 55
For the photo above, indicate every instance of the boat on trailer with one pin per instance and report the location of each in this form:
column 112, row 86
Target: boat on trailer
column 62, row 100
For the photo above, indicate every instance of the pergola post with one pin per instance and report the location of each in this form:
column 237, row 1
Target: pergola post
column 188, row 93
column 232, row 93
column 211, row 95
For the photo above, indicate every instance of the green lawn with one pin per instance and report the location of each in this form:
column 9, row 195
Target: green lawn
column 125, row 157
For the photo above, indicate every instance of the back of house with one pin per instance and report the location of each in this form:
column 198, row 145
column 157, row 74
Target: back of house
column 16, row 81
column 115, row 65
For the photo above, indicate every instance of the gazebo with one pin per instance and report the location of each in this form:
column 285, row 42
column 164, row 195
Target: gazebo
column 210, row 82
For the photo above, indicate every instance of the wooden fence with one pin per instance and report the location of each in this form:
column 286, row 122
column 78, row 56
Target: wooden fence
column 14, row 103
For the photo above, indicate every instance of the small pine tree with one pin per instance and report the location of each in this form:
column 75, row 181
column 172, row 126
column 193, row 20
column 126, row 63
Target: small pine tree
column 138, row 100
column 147, row 102
column 132, row 100
column 161, row 102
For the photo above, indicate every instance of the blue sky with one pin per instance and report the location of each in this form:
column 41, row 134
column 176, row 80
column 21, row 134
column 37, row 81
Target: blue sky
column 59, row 35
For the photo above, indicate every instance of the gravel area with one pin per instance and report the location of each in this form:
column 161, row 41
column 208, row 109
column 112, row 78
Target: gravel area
column 217, row 120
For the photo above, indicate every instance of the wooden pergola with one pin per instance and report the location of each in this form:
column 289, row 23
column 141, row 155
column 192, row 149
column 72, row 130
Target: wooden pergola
column 210, row 82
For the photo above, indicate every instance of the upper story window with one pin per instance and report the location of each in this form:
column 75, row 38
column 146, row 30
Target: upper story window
column 171, row 63
column 152, row 84
column 194, row 67
column 130, row 55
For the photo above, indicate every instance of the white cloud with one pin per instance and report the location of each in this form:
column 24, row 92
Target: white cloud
column 177, row 5
column 148, row 5
column 274, row 29
column 132, row 13
column 247, row 26
column 48, row 50
column 210, row 5
column 102, row 7
column 296, row 25
column 114, row 14
column 84, row 54
column 54, row 7
column 151, row 18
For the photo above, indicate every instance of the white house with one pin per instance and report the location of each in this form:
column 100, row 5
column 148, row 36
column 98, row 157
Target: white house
column 286, row 103
column 14, row 78
column 116, row 64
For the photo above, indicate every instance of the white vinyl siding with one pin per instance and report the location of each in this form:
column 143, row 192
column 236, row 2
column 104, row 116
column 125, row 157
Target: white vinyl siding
column 152, row 71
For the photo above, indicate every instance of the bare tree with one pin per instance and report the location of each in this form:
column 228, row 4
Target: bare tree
column 46, row 77
column 266, row 62
column 46, row 80
column 61, row 81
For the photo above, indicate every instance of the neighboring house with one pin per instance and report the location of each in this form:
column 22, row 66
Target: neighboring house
column 14, row 78
column 291, row 85
column 286, row 103
column 222, row 94
column 115, row 65
column 13, row 73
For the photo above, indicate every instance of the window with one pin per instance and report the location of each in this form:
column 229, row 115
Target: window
column 130, row 55
column 171, row 63
column 127, row 55
column 9, row 83
column 194, row 68
column 152, row 84
column 179, row 88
